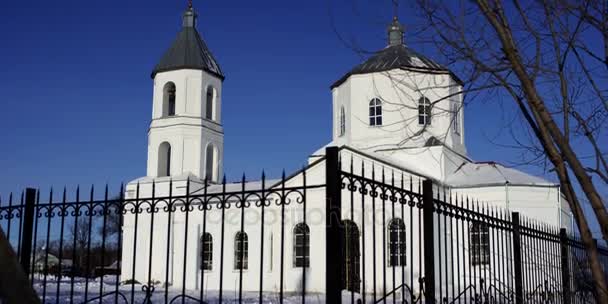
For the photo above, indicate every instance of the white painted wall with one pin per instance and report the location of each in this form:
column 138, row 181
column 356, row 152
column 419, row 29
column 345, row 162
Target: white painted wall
column 400, row 91
column 188, row 132
column 541, row 203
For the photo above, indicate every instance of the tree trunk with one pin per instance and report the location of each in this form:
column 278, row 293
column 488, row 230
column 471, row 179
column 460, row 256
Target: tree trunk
column 14, row 284
column 550, row 136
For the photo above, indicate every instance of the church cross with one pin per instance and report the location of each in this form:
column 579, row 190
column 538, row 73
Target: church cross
column 395, row 7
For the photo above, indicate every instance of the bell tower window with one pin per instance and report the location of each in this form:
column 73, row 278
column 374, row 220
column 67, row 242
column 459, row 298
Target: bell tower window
column 164, row 159
column 456, row 118
column 169, row 100
column 211, row 163
column 210, row 103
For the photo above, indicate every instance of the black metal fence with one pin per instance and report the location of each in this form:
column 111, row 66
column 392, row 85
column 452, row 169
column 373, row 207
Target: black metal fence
column 361, row 232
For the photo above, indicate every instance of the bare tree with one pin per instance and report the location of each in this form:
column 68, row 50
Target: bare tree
column 80, row 234
column 545, row 55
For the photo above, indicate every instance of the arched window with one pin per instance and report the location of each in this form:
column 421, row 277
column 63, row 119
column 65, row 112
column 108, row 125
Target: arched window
column 424, row 111
column 301, row 245
column 375, row 112
column 342, row 121
column 211, row 163
column 479, row 248
column 241, row 251
column 396, row 243
column 352, row 256
column 210, row 103
column 169, row 99
column 164, row 159
column 455, row 117
column 206, row 251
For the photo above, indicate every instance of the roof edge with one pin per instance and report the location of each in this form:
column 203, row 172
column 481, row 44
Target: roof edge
column 187, row 67
column 344, row 78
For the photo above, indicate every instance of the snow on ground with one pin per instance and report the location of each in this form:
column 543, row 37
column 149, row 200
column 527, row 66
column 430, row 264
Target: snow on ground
column 88, row 292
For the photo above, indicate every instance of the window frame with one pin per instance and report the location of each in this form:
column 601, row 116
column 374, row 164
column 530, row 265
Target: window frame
column 342, row 120
column 479, row 246
column 424, row 111
column 238, row 263
column 206, row 252
column 301, row 240
column 210, row 103
column 169, row 101
column 456, row 117
column 397, row 249
column 375, row 112
column 164, row 159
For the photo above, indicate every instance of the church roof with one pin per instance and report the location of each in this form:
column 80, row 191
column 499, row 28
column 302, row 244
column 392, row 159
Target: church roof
column 188, row 51
column 492, row 173
column 396, row 57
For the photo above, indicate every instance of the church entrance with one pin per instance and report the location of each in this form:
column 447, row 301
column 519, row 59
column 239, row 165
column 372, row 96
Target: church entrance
column 352, row 255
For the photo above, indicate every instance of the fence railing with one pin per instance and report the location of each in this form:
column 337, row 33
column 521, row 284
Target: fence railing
column 338, row 231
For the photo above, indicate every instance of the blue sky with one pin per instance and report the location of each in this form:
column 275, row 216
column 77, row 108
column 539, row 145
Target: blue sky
column 76, row 86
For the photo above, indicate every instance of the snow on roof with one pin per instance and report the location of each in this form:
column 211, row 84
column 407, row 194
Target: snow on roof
column 491, row 173
column 181, row 177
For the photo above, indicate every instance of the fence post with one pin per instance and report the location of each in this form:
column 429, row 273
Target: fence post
column 28, row 229
column 333, row 216
column 563, row 238
column 429, row 244
column 519, row 294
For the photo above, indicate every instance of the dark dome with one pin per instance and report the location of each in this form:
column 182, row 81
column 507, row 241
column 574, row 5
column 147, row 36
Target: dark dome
column 396, row 57
column 188, row 51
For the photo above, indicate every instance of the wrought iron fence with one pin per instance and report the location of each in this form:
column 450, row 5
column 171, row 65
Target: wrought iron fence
column 363, row 232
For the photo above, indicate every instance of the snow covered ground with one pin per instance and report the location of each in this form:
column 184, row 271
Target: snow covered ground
column 77, row 295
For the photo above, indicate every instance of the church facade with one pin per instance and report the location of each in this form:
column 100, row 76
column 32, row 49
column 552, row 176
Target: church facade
column 398, row 111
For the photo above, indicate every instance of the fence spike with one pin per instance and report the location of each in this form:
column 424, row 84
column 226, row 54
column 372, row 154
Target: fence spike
column 411, row 183
column 92, row 191
column 362, row 168
column 77, row 193
column 122, row 191
column 373, row 171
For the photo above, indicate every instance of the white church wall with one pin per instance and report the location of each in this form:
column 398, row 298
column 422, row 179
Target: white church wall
column 400, row 92
column 185, row 144
column 540, row 203
column 190, row 92
column 188, row 132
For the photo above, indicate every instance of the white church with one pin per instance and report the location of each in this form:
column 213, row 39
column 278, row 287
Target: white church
column 398, row 111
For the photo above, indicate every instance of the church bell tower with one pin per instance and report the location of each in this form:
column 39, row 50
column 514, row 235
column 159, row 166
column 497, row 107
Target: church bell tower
column 186, row 134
